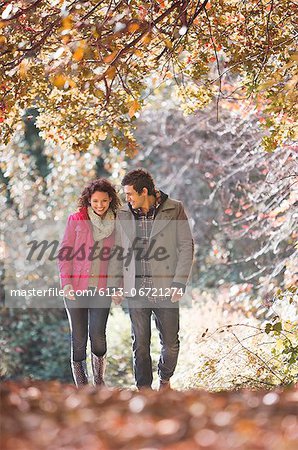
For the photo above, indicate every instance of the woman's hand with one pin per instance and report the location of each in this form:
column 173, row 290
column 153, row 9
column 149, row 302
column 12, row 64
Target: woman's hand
column 68, row 292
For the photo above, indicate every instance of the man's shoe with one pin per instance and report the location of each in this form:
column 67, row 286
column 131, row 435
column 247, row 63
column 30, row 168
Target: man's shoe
column 79, row 372
column 98, row 368
column 164, row 385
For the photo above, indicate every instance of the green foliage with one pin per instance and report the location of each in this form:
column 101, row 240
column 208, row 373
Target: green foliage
column 119, row 366
column 283, row 327
column 244, row 347
column 34, row 344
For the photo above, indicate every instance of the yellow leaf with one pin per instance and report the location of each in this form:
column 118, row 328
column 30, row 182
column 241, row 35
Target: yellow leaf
column 23, row 68
column 110, row 73
column 288, row 326
column 99, row 93
column 101, row 134
column 168, row 43
column 267, row 85
column 132, row 27
column 131, row 149
column 70, row 82
column 146, row 39
column 294, row 57
column 95, row 33
column 279, row 344
column 139, row 53
column 134, row 107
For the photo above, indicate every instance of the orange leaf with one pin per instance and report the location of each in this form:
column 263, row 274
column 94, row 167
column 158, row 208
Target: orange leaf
column 161, row 4
column 109, row 58
column 134, row 107
column 78, row 54
column 67, row 23
column 59, row 81
column 110, row 73
column 62, row 82
column 3, row 40
column 132, row 27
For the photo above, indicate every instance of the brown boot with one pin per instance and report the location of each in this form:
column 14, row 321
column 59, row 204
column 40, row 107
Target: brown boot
column 79, row 372
column 98, row 368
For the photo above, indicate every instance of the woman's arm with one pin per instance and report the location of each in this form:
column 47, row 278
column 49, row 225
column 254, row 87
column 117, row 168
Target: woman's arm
column 65, row 254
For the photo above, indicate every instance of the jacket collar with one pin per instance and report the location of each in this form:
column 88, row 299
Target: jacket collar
column 84, row 213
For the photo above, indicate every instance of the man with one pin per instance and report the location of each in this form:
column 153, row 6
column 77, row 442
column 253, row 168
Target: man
column 155, row 240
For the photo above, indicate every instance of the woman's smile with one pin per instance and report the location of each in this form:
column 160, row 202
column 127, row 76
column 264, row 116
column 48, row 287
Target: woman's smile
column 100, row 202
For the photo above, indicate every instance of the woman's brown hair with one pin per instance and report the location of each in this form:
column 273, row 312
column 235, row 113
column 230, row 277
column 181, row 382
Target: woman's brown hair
column 99, row 185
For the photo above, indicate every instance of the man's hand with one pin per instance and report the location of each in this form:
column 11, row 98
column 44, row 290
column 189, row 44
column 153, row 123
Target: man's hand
column 67, row 289
column 118, row 298
column 176, row 297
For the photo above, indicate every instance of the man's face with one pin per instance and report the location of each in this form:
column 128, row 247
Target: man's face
column 136, row 200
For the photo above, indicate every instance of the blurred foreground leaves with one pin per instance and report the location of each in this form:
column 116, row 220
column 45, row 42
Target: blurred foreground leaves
column 49, row 415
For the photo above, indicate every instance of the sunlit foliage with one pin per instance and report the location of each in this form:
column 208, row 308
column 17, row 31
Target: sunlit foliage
column 90, row 66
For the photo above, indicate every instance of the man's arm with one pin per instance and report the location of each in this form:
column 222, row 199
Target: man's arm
column 185, row 248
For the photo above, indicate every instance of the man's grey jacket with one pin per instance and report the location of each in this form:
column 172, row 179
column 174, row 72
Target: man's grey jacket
column 170, row 249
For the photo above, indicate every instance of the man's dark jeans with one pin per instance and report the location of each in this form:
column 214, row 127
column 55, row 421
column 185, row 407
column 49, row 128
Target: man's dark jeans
column 166, row 315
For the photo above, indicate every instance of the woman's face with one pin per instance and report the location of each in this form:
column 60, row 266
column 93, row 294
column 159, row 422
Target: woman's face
column 100, row 202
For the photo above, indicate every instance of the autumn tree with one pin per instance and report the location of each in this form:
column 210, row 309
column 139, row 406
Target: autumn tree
column 90, row 66
column 241, row 199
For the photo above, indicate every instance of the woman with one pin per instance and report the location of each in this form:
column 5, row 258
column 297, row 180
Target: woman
column 83, row 267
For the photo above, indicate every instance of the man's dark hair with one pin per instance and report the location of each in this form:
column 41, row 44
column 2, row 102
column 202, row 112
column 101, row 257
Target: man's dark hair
column 139, row 178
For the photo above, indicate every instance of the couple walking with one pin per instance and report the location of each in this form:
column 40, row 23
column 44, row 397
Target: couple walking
column 141, row 251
